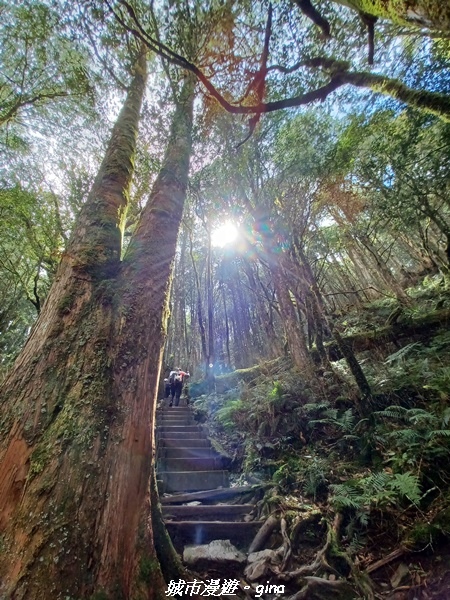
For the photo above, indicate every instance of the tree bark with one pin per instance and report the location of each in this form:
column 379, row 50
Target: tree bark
column 434, row 14
column 58, row 404
column 78, row 406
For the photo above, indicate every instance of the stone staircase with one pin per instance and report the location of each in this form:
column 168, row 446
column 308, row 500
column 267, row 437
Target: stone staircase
column 197, row 500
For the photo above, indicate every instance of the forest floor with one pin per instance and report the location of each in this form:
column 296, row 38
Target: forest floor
column 356, row 501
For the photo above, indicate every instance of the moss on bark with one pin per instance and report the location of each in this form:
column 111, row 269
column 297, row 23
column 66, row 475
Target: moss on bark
column 434, row 14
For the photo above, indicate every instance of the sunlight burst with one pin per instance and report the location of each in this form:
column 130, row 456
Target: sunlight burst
column 224, row 234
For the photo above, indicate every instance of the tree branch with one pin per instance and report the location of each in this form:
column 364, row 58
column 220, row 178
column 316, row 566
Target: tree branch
column 433, row 102
column 312, row 13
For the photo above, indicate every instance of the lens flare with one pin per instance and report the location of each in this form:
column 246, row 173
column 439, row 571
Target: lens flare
column 224, row 234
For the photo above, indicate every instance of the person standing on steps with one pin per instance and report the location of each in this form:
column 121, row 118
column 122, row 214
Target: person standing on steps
column 166, row 387
column 177, row 378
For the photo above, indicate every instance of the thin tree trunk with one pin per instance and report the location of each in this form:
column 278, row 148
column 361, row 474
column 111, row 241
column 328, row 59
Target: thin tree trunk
column 361, row 381
column 210, row 302
column 201, row 323
column 227, row 328
column 294, row 331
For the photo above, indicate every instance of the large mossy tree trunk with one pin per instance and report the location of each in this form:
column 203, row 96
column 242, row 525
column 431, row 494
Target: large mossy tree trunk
column 141, row 328
column 77, row 408
column 434, row 14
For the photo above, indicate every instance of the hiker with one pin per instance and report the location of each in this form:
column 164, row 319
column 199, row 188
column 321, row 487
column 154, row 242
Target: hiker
column 177, row 379
column 166, row 387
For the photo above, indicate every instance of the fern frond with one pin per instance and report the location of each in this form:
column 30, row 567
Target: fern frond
column 400, row 354
column 407, row 485
column 392, row 412
column 311, row 406
column 439, row 433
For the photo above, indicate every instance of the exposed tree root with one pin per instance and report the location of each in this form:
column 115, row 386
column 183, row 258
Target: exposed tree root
column 266, row 529
column 322, row 588
column 330, row 553
column 287, row 548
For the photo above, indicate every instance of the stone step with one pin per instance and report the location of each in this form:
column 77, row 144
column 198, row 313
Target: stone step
column 192, row 481
column 208, row 495
column 175, row 410
column 174, row 420
column 176, row 414
column 196, row 452
column 202, row 512
column 202, row 532
column 183, row 435
column 166, row 428
column 192, row 464
column 178, row 443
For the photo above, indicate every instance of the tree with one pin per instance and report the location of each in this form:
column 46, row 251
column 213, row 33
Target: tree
column 40, row 63
column 90, row 416
column 31, row 243
column 329, row 74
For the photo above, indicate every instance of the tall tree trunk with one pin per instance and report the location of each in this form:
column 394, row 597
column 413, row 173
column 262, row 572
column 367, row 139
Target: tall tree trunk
column 272, row 343
column 78, row 406
column 57, row 402
column 141, row 328
column 227, row 328
column 201, row 323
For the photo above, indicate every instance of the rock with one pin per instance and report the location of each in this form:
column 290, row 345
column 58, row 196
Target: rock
column 260, row 563
column 272, row 555
column 218, row 554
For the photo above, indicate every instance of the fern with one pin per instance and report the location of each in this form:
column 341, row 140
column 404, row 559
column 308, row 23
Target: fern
column 345, row 495
column 400, row 354
column 439, row 433
column 392, row 412
column 226, row 414
column 407, row 485
column 377, row 490
column 311, row 406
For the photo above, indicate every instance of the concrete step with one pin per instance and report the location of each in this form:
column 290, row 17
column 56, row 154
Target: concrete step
column 175, row 416
column 175, row 410
column 169, row 428
column 208, row 512
column 192, row 481
column 184, row 443
column 203, row 532
column 198, row 452
column 174, row 420
column 208, row 495
column 192, row 464
column 183, row 435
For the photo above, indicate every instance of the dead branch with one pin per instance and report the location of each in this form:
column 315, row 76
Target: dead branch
column 386, row 560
